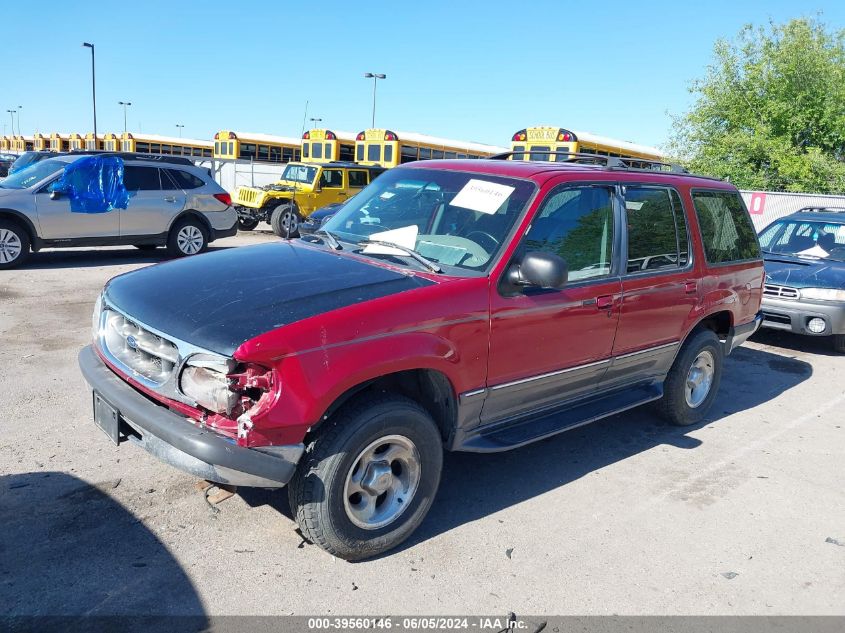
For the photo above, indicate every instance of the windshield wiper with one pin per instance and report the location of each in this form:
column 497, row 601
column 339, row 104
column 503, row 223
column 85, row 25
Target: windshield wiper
column 410, row 251
column 330, row 239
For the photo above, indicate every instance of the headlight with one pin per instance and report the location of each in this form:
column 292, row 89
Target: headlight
column 204, row 381
column 95, row 318
column 823, row 294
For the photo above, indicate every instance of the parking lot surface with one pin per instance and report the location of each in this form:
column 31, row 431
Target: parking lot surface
column 743, row 514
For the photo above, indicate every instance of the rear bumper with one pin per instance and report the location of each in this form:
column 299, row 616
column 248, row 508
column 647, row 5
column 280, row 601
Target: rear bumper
column 793, row 316
column 230, row 232
column 741, row 333
column 178, row 442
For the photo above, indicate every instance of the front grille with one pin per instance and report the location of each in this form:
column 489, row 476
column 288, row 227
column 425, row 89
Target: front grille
column 247, row 194
column 780, row 292
column 145, row 353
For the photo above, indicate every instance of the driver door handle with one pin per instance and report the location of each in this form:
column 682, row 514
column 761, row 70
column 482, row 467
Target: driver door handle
column 169, row 199
column 604, row 302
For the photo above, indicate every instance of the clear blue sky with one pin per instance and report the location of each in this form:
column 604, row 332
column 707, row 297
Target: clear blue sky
column 469, row 70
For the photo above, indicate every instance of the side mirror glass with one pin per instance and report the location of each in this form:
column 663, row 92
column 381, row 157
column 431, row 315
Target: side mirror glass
column 540, row 270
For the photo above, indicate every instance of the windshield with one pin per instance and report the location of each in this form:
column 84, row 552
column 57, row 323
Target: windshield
column 452, row 218
column 809, row 238
column 299, row 173
column 33, row 174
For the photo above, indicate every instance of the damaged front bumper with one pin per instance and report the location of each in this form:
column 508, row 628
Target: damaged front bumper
column 178, row 442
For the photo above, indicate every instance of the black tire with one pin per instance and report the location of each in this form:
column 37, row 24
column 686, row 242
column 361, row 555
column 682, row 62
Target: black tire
column 285, row 221
column 317, row 492
column 246, row 224
column 195, row 238
column 14, row 244
column 146, row 247
column 675, row 406
column 839, row 343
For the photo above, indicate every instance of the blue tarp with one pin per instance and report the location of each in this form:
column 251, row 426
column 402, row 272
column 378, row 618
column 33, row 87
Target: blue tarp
column 94, row 184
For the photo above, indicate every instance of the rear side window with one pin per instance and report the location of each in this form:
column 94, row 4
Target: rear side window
column 141, row 178
column 357, row 179
column 726, row 229
column 184, row 180
column 656, row 229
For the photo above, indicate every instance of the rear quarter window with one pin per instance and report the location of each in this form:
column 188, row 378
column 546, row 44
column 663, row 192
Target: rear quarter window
column 185, row 180
column 726, row 229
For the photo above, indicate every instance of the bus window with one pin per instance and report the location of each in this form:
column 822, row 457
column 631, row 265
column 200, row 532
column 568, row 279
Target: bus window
column 297, row 154
column 275, row 154
column 347, row 153
column 305, row 150
column 155, row 148
column 316, row 150
column 357, row 179
column 166, row 149
column 247, row 150
column 360, row 152
column 287, row 154
column 206, row 152
column 388, row 153
column 437, row 153
column 461, row 156
column 374, row 152
column 425, row 153
column 518, row 152
column 143, row 148
column 535, row 152
column 231, row 151
column 451, row 155
column 263, row 152
column 408, row 154
column 327, row 150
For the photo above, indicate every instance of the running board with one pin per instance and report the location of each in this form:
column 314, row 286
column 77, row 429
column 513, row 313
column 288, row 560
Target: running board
column 542, row 425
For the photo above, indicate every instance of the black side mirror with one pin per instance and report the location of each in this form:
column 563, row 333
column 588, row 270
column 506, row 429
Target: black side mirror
column 55, row 195
column 540, row 270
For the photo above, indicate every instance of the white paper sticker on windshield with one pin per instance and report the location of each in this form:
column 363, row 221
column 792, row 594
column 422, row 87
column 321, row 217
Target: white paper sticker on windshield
column 482, row 196
column 405, row 236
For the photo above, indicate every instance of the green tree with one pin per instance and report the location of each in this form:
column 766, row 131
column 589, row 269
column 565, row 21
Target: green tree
column 770, row 112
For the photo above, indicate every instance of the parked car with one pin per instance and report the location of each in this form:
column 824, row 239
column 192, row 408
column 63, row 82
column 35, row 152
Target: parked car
column 171, row 203
column 317, row 219
column 805, row 274
column 452, row 305
column 302, row 189
column 6, row 161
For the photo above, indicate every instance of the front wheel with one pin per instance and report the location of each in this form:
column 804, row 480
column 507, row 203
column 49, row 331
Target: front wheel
column 14, row 244
column 247, row 224
column 285, row 221
column 187, row 237
column 692, row 383
column 368, row 480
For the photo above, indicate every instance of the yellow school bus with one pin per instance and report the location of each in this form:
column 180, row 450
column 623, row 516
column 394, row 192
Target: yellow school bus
column 76, row 141
column 167, row 145
column 328, row 146
column 41, row 142
column 259, row 148
column 386, row 148
column 533, row 143
column 59, row 142
column 5, row 143
column 111, row 142
column 93, row 143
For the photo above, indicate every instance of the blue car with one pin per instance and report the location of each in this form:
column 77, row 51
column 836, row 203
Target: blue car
column 804, row 291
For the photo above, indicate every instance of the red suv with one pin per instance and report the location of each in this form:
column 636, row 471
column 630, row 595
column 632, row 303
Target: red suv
column 452, row 305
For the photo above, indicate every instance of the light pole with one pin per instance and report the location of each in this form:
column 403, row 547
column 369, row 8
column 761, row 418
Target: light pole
column 375, row 77
column 12, row 116
column 19, row 121
column 93, row 85
column 180, row 126
column 125, row 105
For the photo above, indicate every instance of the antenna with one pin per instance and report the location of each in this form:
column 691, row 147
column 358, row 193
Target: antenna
column 304, row 115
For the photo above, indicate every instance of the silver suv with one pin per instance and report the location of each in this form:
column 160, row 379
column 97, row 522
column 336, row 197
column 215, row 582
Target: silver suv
column 171, row 203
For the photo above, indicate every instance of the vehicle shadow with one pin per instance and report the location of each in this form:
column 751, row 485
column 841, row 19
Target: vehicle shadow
column 69, row 550
column 100, row 257
column 821, row 345
column 476, row 485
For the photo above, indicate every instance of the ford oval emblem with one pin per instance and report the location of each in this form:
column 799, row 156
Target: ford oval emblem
column 131, row 342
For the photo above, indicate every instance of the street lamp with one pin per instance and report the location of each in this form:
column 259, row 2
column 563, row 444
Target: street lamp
column 375, row 77
column 12, row 116
column 315, row 120
column 180, row 126
column 19, row 121
column 125, row 105
column 93, row 85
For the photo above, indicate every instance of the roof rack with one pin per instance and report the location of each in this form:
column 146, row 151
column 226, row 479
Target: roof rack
column 822, row 209
column 610, row 162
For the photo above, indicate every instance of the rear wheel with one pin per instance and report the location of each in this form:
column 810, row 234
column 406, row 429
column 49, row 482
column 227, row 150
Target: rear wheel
column 839, row 343
column 285, row 221
column 14, row 244
column 693, row 382
column 368, row 480
column 187, row 237
column 246, row 224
